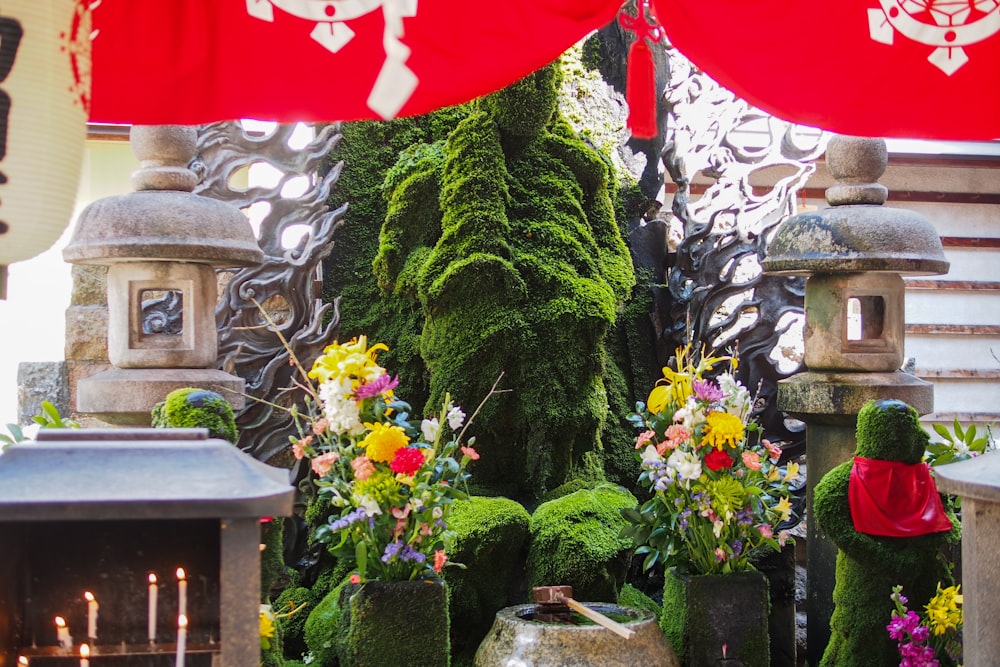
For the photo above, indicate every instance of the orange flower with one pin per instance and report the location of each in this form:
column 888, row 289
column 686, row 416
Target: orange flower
column 440, row 558
column 363, row 468
column 322, row 463
column 751, row 460
column 471, row 453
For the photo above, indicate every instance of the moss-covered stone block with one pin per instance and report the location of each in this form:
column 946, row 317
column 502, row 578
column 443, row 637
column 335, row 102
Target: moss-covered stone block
column 492, row 545
column 575, row 541
column 630, row 596
column 291, row 610
column 394, row 623
column 704, row 612
column 196, row 408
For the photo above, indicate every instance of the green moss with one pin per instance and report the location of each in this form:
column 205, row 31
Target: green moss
column 869, row 566
column 321, row 628
column 491, row 544
column 190, row 407
column 575, row 541
column 293, row 628
column 630, row 596
column 274, row 574
column 394, row 623
column 701, row 613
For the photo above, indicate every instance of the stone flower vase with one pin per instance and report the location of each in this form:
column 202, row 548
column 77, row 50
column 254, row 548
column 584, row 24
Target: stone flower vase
column 394, row 623
column 701, row 613
column 517, row 640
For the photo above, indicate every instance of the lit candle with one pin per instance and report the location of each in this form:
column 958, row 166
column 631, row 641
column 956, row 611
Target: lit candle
column 21, row 660
column 153, row 591
column 182, row 629
column 182, row 592
column 84, row 655
column 62, row 633
column 92, row 608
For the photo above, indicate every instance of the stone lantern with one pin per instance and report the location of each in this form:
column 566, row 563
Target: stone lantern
column 162, row 245
column 854, row 255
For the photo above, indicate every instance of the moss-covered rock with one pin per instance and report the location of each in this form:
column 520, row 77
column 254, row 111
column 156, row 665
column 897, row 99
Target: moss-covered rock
column 291, row 610
column 321, row 628
column 196, row 408
column 492, row 545
column 575, row 541
column 868, row 566
column 630, row 596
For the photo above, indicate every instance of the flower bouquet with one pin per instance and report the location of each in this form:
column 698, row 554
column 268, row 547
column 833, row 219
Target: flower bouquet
column 932, row 641
column 390, row 481
column 718, row 493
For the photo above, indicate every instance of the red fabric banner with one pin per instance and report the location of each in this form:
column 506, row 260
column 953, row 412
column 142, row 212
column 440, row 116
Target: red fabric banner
column 895, row 499
column 882, row 68
column 196, row 61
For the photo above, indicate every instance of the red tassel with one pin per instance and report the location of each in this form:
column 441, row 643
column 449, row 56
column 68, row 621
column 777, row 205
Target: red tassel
column 640, row 82
column 640, row 91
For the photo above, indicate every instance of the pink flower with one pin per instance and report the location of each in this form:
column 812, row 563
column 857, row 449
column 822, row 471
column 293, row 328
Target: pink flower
column 471, row 453
column 751, row 460
column 355, row 578
column 320, row 425
column 379, row 386
column 425, row 529
column 440, row 558
column 363, row 468
column 321, row 464
column 643, row 438
column 299, row 447
column 782, row 537
column 720, row 555
column 407, row 460
column 707, row 391
column 772, row 449
column 677, row 434
column 766, row 531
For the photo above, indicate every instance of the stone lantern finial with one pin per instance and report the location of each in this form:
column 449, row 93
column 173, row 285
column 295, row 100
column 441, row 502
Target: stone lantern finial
column 161, row 243
column 857, row 163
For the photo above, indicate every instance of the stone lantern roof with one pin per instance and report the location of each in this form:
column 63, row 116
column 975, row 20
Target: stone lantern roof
column 856, row 234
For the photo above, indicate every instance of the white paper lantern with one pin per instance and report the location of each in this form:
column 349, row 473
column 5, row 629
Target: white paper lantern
column 44, row 100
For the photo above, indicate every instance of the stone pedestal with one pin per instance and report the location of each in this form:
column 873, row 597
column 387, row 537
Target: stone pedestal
column 977, row 481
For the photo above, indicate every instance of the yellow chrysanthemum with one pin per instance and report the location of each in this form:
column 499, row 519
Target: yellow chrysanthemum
column 943, row 613
column 382, row 441
column 722, row 429
column 353, row 360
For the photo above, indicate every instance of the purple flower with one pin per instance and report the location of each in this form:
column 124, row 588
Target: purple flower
column 346, row 520
column 708, row 391
column 737, row 547
column 379, row 385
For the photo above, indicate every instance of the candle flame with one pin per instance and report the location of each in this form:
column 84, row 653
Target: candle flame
column 182, row 621
column 84, row 651
column 152, row 578
column 180, row 573
column 21, row 660
column 60, row 621
column 89, row 596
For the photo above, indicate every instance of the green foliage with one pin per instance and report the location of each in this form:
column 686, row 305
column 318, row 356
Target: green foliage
column 958, row 444
column 491, row 543
column 49, row 418
column 321, row 628
column 575, row 541
column 292, row 626
column 190, row 407
column 630, row 596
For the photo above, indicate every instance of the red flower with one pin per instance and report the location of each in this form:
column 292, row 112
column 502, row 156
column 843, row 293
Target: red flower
column 407, row 460
column 718, row 459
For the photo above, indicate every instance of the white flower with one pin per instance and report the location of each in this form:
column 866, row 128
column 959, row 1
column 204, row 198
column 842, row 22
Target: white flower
column 369, row 505
column 455, row 417
column 686, row 464
column 737, row 400
column 649, row 454
column 430, row 428
column 340, row 409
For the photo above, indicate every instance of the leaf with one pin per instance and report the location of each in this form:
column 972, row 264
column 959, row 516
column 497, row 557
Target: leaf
column 650, row 561
column 361, row 557
column 958, row 430
column 631, row 514
column 943, row 432
column 970, row 434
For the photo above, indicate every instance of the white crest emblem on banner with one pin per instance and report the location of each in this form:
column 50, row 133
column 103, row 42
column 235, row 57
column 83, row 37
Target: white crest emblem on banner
column 395, row 82
column 950, row 31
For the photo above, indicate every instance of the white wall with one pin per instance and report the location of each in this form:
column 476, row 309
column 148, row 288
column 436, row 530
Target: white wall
column 38, row 290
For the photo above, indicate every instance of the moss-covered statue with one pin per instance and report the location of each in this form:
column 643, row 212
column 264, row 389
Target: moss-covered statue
column 884, row 513
column 196, row 408
column 506, row 234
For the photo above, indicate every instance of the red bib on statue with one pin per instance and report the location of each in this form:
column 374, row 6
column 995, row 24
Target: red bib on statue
column 895, row 499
